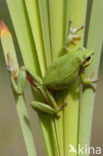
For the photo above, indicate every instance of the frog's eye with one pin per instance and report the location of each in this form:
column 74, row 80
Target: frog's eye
column 88, row 58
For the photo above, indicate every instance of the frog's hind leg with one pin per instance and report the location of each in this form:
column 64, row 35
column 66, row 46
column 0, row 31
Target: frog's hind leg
column 72, row 36
column 44, row 108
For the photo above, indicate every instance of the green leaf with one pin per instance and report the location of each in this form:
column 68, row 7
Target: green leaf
column 76, row 11
column 23, row 33
column 8, row 47
column 34, row 18
column 45, row 23
column 94, row 42
column 57, row 28
column 57, row 25
column 25, row 39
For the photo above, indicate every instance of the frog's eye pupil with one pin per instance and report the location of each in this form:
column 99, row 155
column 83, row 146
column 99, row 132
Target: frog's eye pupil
column 88, row 58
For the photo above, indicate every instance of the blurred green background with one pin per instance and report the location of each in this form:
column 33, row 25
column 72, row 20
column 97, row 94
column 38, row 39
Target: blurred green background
column 11, row 139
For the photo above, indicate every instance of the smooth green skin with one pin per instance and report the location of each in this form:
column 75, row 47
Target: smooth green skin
column 60, row 75
column 42, row 107
column 66, row 69
column 18, row 83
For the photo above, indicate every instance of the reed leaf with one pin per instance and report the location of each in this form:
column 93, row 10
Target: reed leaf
column 94, row 42
column 20, row 12
column 8, row 47
column 45, row 23
column 41, row 28
column 76, row 11
column 57, row 28
column 35, row 23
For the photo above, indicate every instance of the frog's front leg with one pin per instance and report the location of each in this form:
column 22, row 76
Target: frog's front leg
column 44, row 108
column 37, row 82
column 34, row 77
column 88, row 81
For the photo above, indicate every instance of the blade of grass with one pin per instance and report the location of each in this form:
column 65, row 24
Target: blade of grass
column 57, row 25
column 46, row 38
column 44, row 16
column 19, row 17
column 49, row 135
column 33, row 13
column 23, row 33
column 34, row 18
column 44, row 13
column 8, row 47
column 76, row 11
column 94, row 42
column 57, row 29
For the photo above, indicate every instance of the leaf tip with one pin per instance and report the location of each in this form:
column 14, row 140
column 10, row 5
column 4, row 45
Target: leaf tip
column 4, row 29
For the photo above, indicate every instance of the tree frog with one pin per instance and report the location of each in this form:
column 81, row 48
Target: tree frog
column 59, row 76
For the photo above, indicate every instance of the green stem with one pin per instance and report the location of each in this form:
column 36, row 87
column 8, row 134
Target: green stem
column 59, row 123
column 57, row 22
column 57, row 29
column 26, row 36
column 23, row 33
column 76, row 11
column 35, row 23
column 48, row 133
column 44, row 16
column 94, row 42
column 25, row 125
column 7, row 44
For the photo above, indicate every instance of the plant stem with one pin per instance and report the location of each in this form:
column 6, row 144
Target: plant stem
column 94, row 42
column 26, row 39
column 76, row 11
column 57, row 29
column 45, row 23
column 32, row 9
column 57, row 22
column 35, row 24
column 23, row 33
column 7, row 44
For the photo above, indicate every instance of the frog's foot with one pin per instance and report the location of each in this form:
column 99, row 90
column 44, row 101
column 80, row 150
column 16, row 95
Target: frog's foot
column 62, row 106
column 89, row 78
column 73, row 30
column 59, row 109
column 88, row 81
column 72, row 33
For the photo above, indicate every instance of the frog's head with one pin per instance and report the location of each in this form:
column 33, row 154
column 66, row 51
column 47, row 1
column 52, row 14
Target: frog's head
column 88, row 58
